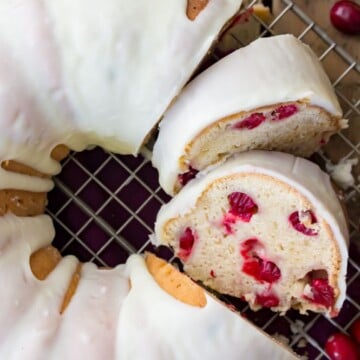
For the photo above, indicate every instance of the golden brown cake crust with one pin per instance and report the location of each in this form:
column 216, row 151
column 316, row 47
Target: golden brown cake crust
column 71, row 289
column 26, row 203
column 194, row 8
column 174, row 282
column 22, row 203
column 44, row 261
column 59, row 153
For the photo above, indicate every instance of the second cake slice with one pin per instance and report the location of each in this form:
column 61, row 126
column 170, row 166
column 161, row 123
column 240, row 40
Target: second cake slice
column 271, row 95
column 264, row 226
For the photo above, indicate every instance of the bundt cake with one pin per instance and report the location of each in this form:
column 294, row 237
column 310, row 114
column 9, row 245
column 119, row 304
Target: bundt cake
column 266, row 227
column 86, row 71
column 272, row 94
column 75, row 74
column 144, row 309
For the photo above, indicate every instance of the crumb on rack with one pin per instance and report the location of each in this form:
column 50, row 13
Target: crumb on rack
column 296, row 327
column 341, row 172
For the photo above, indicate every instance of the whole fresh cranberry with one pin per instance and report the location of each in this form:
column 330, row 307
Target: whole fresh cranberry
column 341, row 347
column 345, row 16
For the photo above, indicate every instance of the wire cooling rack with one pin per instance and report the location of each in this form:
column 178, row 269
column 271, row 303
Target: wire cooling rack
column 104, row 205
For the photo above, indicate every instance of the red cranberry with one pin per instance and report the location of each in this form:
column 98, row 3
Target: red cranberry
column 322, row 292
column 269, row 272
column 212, row 274
column 262, row 270
column 248, row 246
column 251, row 122
column 284, row 111
column 294, row 219
column 340, row 347
column 242, row 206
column 345, row 16
column 355, row 330
column 187, row 176
column 252, row 268
column 267, row 300
column 228, row 221
column 186, row 243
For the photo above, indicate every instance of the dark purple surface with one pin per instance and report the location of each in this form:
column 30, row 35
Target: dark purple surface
column 117, row 205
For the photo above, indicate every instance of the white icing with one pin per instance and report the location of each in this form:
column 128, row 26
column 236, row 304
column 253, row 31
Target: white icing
column 33, row 119
column 266, row 72
column 301, row 174
column 107, row 318
column 81, row 74
column 169, row 329
column 124, row 63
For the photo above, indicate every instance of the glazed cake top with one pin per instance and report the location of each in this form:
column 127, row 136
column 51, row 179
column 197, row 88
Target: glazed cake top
column 81, row 74
column 268, row 71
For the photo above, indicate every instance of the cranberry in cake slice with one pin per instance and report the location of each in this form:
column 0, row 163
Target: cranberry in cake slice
column 285, row 103
column 263, row 226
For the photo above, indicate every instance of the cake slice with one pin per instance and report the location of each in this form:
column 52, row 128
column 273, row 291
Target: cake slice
column 264, row 226
column 167, row 316
column 272, row 94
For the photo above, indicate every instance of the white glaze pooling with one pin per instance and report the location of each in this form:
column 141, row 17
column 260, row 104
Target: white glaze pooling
column 85, row 73
column 106, row 318
column 155, row 326
column 303, row 175
column 266, row 72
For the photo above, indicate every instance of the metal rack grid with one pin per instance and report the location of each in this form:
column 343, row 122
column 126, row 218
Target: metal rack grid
column 104, row 205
